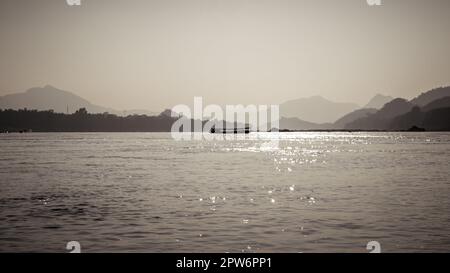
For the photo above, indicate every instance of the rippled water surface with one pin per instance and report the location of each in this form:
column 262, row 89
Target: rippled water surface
column 314, row 192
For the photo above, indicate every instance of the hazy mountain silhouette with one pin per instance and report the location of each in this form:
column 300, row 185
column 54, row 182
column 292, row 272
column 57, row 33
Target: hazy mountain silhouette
column 381, row 119
column 394, row 108
column 316, row 109
column 378, row 101
column 298, row 124
column 439, row 103
column 395, row 114
column 432, row 120
column 432, row 95
column 355, row 115
column 425, row 111
column 403, row 122
column 432, row 116
column 398, row 114
column 60, row 101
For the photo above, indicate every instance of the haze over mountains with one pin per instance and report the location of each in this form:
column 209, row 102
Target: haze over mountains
column 60, row 101
column 430, row 96
column 312, row 109
column 355, row 115
column 332, row 115
column 378, row 101
column 429, row 110
column 378, row 119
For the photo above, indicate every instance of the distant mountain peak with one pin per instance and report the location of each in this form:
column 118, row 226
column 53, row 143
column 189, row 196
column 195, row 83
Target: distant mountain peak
column 381, row 118
column 396, row 107
column 60, row 101
column 49, row 89
column 316, row 109
column 48, row 86
column 352, row 116
column 318, row 97
column 378, row 101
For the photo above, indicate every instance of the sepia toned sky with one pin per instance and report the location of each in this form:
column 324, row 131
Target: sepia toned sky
column 130, row 54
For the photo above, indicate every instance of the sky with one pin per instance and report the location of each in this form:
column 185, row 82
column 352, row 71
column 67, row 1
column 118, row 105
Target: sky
column 143, row 54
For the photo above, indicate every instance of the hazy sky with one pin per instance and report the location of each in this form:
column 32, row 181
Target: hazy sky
column 132, row 54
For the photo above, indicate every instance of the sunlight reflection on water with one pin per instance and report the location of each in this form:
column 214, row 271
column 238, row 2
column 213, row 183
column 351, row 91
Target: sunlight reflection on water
column 311, row 192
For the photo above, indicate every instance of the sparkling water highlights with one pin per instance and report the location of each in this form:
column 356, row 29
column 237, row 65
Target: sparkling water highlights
column 312, row 192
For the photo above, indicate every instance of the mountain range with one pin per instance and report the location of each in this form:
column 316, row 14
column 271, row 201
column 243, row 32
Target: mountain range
column 308, row 110
column 338, row 115
column 430, row 110
column 312, row 109
column 60, row 101
column 378, row 101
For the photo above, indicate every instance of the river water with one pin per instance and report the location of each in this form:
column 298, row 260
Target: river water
column 146, row 192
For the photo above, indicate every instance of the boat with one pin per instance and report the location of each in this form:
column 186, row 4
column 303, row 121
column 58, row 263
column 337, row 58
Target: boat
column 234, row 130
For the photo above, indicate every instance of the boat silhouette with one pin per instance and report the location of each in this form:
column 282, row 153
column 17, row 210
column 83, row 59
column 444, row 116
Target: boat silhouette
column 234, row 130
